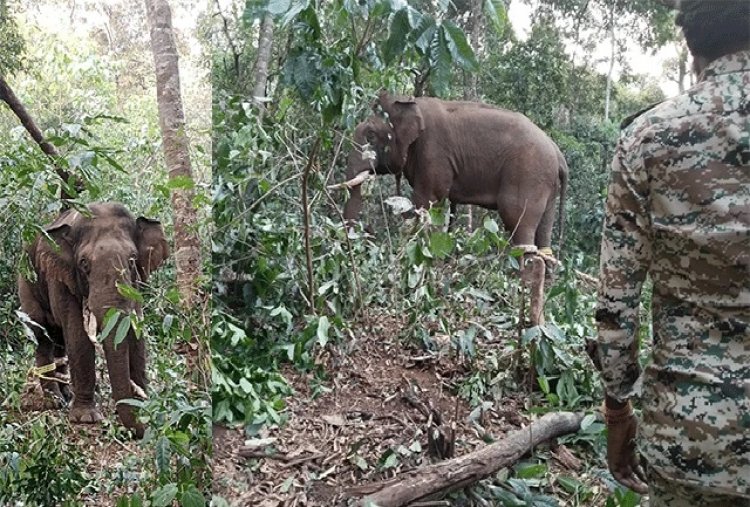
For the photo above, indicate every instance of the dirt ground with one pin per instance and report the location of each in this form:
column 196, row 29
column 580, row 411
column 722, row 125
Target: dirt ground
column 373, row 423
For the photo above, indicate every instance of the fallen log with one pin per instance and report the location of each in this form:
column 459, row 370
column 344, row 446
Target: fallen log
column 354, row 182
column 448, row 475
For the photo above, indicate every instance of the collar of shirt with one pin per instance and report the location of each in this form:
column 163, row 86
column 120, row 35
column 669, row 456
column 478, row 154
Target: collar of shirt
column 734, row 62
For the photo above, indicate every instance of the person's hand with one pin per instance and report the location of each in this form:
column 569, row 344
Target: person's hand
column 621, row 455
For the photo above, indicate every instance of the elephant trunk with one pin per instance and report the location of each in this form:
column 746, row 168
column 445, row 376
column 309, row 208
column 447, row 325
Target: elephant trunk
column 118, row 356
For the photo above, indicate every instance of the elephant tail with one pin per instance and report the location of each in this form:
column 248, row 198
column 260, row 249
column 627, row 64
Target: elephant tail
column 563, row 174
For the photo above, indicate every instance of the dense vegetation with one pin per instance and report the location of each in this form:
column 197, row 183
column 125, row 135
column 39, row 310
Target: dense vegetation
column 85, row 73
column 280, row 300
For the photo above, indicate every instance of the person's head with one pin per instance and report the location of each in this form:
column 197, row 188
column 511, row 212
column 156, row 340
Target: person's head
column 714, row 28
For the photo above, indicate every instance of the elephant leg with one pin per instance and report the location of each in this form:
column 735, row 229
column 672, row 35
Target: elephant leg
column 81, row 359
column 534, row 268
column 137, row 351
column 118, row 366
column 61, row 365
column 543, row 240
column 45, row 356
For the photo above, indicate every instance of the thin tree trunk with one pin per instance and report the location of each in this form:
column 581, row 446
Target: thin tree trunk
column 10, row 98
column 176, row 150
column 471, row 79
column 265, row 45
column 464, row 470
column 611, row 60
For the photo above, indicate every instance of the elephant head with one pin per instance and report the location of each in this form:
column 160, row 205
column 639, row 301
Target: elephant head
column 93, row 253
column 381, row 144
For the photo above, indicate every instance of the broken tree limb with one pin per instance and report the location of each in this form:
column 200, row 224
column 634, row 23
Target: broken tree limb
column 9, row 97
column 445, row 476
column 354, row 182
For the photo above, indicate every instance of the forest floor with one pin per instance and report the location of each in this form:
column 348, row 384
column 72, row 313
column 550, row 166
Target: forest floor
column 371, row 423
column 111, row 458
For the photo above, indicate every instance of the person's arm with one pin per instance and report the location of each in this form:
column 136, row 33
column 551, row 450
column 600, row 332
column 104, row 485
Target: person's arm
column 625, row 259
column 624, row 262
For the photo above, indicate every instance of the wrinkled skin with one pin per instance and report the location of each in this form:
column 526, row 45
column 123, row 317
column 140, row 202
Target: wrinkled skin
column 92, row 254
column 469, row 153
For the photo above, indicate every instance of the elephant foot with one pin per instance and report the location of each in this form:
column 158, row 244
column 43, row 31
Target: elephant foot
column 85, row 415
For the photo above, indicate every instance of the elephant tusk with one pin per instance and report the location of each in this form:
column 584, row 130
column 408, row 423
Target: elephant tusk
column 89, row 322
column 354, row 182
column 138, row 391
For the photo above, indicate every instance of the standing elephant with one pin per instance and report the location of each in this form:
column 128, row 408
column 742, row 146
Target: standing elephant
column 76, row 283
column 469, row 153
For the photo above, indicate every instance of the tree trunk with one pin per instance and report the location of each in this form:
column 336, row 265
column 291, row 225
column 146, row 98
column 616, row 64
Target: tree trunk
column 460, row 472
column 260, row 71
column 476, row 24
column 176, row 151
column 10, row 98
column 611, row 60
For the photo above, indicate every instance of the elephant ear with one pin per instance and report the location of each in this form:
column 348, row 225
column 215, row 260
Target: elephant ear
column 56, row 258
column 407, row 121
column 152, row 246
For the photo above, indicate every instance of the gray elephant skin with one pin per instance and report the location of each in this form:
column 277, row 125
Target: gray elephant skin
column 469, row 153
column 92, row 252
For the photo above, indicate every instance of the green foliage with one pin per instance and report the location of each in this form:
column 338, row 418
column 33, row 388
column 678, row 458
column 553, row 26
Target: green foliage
column 39, row 465
column 12, row 44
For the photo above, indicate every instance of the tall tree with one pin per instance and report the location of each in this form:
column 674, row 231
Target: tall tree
column 265, row 45
column 176, row 150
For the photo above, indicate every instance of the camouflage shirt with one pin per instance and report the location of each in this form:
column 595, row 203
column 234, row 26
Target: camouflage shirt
column 678, row 209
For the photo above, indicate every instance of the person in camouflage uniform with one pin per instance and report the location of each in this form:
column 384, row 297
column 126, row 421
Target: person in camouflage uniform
column 678, row 210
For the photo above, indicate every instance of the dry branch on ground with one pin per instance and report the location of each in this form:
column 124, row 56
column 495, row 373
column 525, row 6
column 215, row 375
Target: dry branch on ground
column 455, row 473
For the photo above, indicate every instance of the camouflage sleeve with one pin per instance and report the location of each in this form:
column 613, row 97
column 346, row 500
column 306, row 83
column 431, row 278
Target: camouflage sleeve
column 625, row 259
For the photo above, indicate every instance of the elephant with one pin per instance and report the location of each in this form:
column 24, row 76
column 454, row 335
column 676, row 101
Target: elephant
column 469, row 153
column 78, row 263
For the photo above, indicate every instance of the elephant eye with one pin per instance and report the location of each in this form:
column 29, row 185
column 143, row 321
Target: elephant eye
column 85, row 265
column 370, row 136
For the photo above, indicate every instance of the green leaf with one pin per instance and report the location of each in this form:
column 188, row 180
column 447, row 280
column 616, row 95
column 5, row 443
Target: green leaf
column 537, row 470
column 166, row 324
column 130, row 292
column 191, row 497
column 441, row 244
column 569, row 484
column 164, row 496
column 323, row 326
column 162, row 454
column 490, row 225
column 110, row 319
column 122, row 330
column 441, row 62
column 459, row 47
column 180, row 182
column 397, row 37
column 390, row 461
column 496, row 15
column 587, row 421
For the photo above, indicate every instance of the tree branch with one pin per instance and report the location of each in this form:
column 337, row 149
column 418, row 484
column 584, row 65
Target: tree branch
column 7, row 96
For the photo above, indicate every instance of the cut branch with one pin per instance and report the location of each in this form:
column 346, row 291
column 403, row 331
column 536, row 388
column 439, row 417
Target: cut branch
column 354, row 182
column 7, row 96
column 456, row 473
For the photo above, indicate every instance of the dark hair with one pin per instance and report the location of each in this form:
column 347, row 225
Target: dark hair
column 714, row 28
